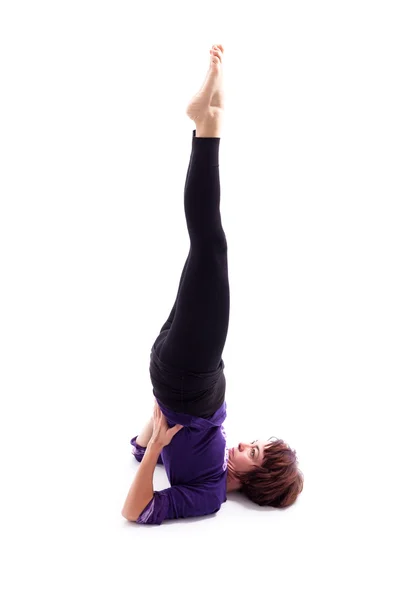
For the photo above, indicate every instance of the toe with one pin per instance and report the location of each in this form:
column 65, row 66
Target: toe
column 217, row 53
column 218, row 47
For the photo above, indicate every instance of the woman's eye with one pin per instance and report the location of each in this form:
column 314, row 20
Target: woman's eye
column 254, row 452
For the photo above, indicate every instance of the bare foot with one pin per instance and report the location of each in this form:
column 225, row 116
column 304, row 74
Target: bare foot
column 208, row 103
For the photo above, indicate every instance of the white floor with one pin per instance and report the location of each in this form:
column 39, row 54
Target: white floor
column 95, row 145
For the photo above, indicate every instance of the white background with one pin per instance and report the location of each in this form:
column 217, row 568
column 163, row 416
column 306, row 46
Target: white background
column 95, row 145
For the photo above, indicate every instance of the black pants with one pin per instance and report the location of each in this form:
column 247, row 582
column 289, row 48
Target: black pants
column 186, row 366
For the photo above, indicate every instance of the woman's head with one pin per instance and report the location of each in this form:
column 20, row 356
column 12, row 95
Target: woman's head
column 266, row 472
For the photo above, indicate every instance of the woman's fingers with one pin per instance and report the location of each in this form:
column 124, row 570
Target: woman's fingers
column 156, row 411
column 175, row 429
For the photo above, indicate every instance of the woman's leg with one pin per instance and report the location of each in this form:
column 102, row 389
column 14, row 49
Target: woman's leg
column 210, row 96
column 169, row 321
column 199, row 327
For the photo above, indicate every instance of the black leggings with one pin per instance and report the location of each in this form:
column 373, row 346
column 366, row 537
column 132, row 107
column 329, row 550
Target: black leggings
column 188, row 350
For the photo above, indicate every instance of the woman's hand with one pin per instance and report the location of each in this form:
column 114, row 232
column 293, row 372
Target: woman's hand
column 162, row 434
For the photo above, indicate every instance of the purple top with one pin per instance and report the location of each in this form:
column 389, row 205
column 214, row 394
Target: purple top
column 196, row 465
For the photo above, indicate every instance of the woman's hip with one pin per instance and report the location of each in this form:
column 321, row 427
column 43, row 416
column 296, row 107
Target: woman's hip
column 189, row 392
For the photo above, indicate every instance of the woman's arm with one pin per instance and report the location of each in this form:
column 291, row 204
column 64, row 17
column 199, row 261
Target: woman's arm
column 141, row 490
column 144, row 437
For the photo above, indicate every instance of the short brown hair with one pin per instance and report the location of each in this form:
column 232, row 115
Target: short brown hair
column 278, row 481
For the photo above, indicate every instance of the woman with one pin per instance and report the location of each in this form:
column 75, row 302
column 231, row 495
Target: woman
column 186, row 432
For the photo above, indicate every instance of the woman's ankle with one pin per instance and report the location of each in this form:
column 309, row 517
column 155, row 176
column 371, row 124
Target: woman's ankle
column 209, row 129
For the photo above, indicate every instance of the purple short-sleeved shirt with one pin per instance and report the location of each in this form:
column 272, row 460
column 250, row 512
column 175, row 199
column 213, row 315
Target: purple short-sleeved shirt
column 196, row 465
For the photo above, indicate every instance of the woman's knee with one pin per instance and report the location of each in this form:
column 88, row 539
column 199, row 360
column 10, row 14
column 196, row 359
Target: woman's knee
column 220, row 241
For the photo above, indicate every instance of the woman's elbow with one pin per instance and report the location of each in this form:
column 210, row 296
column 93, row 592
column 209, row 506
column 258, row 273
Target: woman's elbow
column 129, row 517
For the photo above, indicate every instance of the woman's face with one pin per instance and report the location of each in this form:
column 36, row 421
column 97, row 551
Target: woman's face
column 245, row 457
